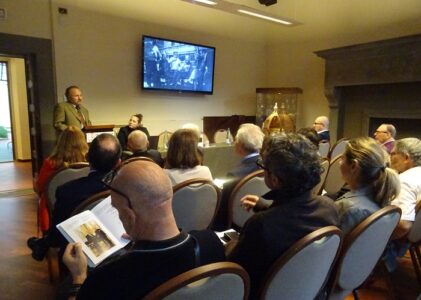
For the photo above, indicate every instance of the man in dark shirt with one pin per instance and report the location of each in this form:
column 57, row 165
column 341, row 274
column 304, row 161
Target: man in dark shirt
column 103, row 156
column 138, row 144
column 142, row 194
column 292, row 169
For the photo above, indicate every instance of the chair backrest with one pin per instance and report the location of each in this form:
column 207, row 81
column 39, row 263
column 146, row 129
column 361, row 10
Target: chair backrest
column 222, row 280
column 91, row 202
column 221, row 135
column 338, row 148
column 334, row 181
column 414, row 234
column 303, row 269
column 72, row 172
column 163, row 139
column 362, row 248
column 324, row 148
column 252, row 184
column 195, row 203
column 317, row 189
column 144, row 158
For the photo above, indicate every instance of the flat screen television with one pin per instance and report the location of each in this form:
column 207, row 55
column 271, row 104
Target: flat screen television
column 177, row 66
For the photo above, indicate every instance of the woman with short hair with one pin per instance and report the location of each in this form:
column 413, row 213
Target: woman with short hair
column 183, row 161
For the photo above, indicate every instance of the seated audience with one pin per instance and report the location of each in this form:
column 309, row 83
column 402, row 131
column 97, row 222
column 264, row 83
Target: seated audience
column 248, row 141
column 311, row 134
column 372, row 184
column 138, row 144
column 103, row 155
column 321, row 125
column 292, row 169
column 385, row 135
column 135, row 123
column 71, row 147
column 183, row 161
column 159, row 251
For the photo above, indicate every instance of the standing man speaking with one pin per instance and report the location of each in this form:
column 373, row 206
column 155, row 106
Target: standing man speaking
column 71, row 112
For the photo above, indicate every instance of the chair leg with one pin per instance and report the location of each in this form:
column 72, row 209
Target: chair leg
column 355, row 294
column 415, row 257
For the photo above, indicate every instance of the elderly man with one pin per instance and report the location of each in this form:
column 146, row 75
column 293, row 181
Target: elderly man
column 142, row 194
column 248, row 141
column 71, row 112
column 138, row 144
column 292, row 169
column 385, row 135
column 321, row 125
column 103, row 156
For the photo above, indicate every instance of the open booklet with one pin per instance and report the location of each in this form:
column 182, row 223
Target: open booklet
column 98, row 230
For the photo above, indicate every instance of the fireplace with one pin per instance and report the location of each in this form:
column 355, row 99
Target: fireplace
column 370, row 84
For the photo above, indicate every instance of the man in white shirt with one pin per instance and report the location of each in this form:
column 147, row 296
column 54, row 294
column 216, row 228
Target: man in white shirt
column 406, row 160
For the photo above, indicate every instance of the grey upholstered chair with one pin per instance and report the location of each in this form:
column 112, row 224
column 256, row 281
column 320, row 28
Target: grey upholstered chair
column 362, row 249
column 318, row 188
column 301, row 272
column 334, row 181
column 414, row 239
column 324, row 149
column 338, row 148
column 195, row 203
column 72, row 172
column 222, row 281
column 253, row 184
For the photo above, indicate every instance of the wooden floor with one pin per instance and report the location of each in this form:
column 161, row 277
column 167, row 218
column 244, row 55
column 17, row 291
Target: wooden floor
column 21, row 277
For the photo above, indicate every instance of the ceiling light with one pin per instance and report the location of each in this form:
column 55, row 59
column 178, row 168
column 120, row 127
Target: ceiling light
column 208, row 2
column 243, row 10
column 258, row 15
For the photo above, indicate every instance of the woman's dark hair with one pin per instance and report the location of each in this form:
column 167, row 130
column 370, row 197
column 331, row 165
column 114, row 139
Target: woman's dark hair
column 182, row 150
column 311, row 134
column 139, row 117
column 294, row 160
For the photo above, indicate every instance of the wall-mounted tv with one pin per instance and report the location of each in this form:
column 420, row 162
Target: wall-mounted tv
column 177, row 66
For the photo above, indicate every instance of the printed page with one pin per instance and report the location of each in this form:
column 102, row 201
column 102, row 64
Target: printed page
column 223, row 235
column 97, row 241
column 109, row 217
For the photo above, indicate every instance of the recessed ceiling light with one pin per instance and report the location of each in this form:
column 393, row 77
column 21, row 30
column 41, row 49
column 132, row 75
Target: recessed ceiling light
column 258, row 15
column 243, row 10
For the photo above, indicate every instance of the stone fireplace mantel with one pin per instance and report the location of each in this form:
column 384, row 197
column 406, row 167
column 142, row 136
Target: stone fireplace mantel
column 387, row 62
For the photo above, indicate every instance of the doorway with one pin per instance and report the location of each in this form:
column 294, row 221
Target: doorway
column 6, row 139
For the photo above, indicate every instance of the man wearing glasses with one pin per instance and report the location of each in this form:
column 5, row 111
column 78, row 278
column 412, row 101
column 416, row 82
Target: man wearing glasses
column 321, row 125
column 142, row 194
column 385, row 135
column 292, row 169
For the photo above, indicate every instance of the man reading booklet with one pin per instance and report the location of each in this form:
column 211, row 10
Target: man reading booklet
column 142, row 195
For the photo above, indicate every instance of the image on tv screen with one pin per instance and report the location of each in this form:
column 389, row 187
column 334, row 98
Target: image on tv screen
column 177, row 66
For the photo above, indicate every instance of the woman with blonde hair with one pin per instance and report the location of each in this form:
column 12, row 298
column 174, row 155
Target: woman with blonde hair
column 71, row 147
column 372, row 183
column 183, row 161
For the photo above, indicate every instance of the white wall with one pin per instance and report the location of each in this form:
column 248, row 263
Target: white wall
column 101, row 54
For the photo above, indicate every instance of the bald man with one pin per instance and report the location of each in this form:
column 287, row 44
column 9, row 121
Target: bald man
column 142, row 194
column 321, row 125
column 138, row 144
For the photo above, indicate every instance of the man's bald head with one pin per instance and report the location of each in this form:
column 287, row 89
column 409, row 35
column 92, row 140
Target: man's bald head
column 145, row 183
column 137, row 141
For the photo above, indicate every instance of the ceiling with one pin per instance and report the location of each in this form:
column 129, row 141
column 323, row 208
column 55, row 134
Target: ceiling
column 342, row 21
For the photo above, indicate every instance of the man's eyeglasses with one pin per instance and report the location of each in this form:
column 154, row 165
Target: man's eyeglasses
column 261, row 164
column 107, row 181
column 378, row 131
column 317, row 123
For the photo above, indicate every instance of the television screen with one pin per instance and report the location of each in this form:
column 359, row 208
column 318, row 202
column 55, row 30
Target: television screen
column 177, row 66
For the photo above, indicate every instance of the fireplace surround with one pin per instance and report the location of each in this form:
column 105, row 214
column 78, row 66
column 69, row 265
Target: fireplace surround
column 374, row 83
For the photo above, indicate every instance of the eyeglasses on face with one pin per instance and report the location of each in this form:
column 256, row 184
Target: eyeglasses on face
column 315, row 123
column 379, row 131
column 261, row 164
column 107, row 181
